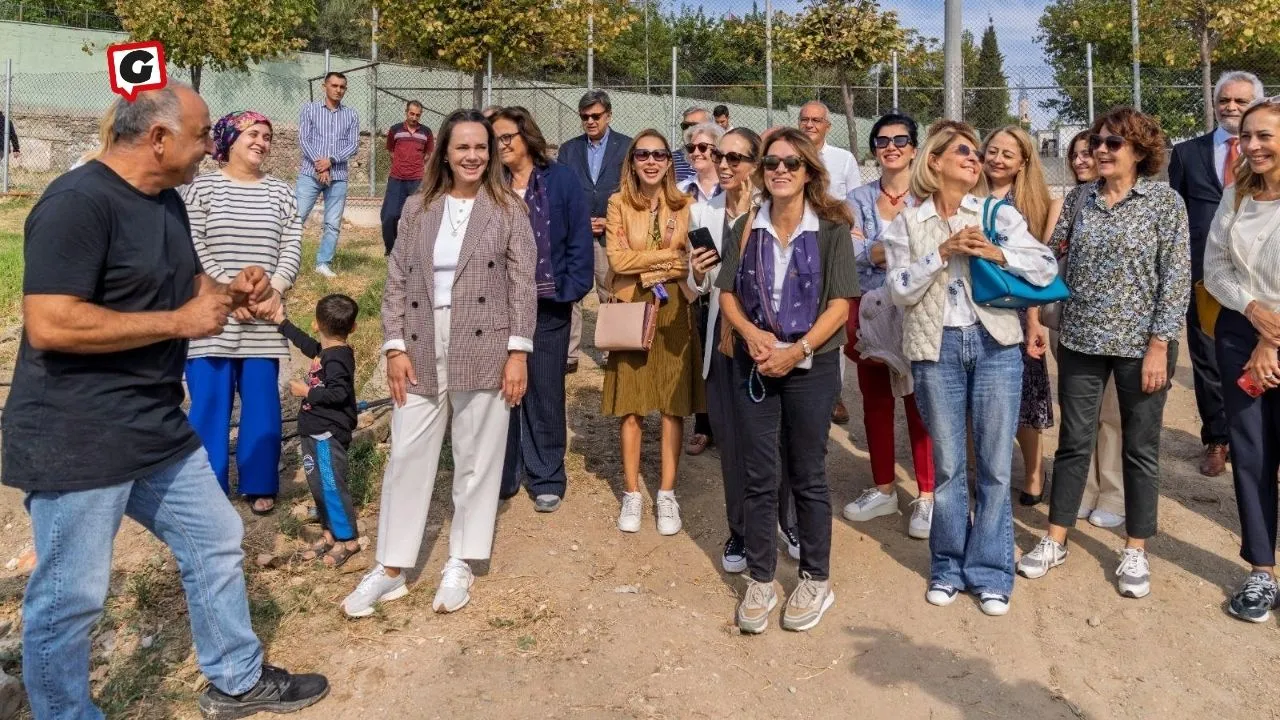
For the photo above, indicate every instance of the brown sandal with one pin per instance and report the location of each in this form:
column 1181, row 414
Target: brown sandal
column 339, row 554
column 313, row 552
column 697, row 444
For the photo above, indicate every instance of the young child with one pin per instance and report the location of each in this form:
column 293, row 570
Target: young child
column 326, row 420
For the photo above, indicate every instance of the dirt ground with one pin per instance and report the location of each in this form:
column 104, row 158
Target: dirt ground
column 574, row 619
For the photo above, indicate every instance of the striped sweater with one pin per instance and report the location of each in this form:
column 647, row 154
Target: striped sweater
column 234, row 225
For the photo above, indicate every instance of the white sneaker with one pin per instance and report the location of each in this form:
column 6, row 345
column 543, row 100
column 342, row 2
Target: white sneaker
column 375, row 587
column 629, row 518
column 1043, row 558
column 668, row 512
column 326, row 271
column 940, row 594
column 1083, row 512
column 455, row 586
column 1134, row 573
column 994, row 604
column 871, row 504
column 921, row 519
column 1105, row 519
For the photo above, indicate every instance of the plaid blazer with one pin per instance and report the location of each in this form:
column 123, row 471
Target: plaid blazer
column 493, row 292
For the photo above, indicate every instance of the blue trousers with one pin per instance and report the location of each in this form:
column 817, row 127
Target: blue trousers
column 536, row 438
column 392, row 204
column 335, row 199
column 213, row 383
column 74, row 532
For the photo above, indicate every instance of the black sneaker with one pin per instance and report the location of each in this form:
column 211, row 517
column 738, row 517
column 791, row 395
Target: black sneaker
column 735, row 554
column 276, row 692
column 792, row 537
column 1255, row 598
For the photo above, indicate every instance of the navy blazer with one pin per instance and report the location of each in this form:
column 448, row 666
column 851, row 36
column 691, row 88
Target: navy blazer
column 1194, row 175
column 572, row 253
column 574, row 155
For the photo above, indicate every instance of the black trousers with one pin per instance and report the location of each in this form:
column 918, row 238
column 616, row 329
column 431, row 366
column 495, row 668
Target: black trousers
column 701, row 311
column 1208, row 382
column 324, row 462
column 536, row 439
column 801, row 402
column 1081, row 380
column 1254, row 426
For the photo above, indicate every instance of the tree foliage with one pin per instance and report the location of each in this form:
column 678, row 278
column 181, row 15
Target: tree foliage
column 341, row 27
column 217, row 34
column 988, row 99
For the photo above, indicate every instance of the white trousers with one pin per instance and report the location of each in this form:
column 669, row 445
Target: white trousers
column 479, row 437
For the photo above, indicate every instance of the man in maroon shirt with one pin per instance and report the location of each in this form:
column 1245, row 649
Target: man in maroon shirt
column 409, row 143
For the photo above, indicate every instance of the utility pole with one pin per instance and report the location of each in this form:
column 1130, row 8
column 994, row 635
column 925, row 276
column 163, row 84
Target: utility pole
column 953, row 66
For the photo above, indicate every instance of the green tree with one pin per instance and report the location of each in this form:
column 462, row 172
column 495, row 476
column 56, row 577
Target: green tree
column 845, row 38
column 920, row 75
column 217, row 34
column 339, row 26
column 988, row 100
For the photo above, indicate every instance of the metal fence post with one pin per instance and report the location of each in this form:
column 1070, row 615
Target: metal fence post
column 8, row 115
column 591, row 50
column 895, row 81
column 373, row 106
column 1137, row 64
column 326, row 61
column 1088, row 69
column 675, row 49
column 768, row 63
column 953, row 68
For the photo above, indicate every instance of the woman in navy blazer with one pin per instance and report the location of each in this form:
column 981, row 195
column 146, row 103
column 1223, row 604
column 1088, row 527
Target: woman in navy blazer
column 562, row 231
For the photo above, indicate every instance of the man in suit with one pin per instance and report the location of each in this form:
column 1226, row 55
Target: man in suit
column 1198, row 169
column 596, row 157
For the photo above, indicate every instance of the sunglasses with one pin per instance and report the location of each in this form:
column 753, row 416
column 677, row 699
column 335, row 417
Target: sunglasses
column 703, row 148
column 899, row 141
column 792, row 162
column 1113, row 142
column 733, row 158
column 505, row 140
column 592, row 117
column 656, row 155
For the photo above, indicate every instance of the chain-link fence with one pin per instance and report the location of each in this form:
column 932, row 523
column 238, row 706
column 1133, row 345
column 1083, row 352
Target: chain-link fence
column 1044, row 65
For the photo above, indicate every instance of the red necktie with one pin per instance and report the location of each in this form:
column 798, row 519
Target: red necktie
column 1229, row 168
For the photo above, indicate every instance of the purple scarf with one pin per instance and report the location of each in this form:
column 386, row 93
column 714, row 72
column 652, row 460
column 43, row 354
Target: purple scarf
column 536, row 197
column 801, row 290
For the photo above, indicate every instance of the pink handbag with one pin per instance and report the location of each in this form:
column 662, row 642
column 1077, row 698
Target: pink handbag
column 626, row 326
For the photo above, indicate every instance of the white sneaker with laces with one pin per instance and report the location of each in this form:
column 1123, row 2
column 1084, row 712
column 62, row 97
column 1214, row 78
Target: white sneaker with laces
column 871, row 504
column 455, row 586
column 1105, row 519
column 326, row 271
column 668, row 512
column 940, row 594
column 629, row 518
column 375, row 587
column 1046, row 555
column 994, row 604
column 1134, row 573
column 921, row 519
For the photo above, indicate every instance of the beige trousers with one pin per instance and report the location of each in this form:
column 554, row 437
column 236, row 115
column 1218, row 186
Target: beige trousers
column 479, row 436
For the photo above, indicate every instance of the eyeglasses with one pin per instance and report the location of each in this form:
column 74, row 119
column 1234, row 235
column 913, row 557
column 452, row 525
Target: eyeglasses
column 592, row 117
column 656, row 155
column 811, row 120
column 792, row 162
column 505, row 140
column 703, row 148
column 1113, row 142
column 899, row 141
column 733, row 158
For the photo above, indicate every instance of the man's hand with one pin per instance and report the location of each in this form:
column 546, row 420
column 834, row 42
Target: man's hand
column 597, row 226
column 249, row 287
column 323, row 165
column 203, row 315
column 297, row 388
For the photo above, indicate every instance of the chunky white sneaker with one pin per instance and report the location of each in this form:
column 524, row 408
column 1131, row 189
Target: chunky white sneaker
column 994, row 604
column 1134, row 573
column 1043, row 558
column 375, row 587
column 455, row 586
column 326, row 271
column 921, row 519
column 668, row 512
column 940, row 594
column 757, row 602
column 806, row 606
column 629, row 518
column 871, row 504
column 1105, row 519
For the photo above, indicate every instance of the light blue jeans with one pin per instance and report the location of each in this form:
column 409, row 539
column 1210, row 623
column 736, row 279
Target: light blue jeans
column 974, row 377
column 74, row 531
column 335, row 199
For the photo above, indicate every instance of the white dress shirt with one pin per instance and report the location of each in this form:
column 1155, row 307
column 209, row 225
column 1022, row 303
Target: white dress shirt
column 1242, row 255
column 843, row 170
column 1024, row 255
column 781, row 255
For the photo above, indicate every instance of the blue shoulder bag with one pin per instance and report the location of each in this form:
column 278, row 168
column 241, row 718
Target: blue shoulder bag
column 994, row 286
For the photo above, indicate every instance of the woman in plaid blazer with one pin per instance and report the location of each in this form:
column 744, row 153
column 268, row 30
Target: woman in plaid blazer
column 458, row 316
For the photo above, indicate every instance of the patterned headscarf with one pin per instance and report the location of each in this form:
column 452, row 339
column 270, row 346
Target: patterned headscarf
column 229, row 127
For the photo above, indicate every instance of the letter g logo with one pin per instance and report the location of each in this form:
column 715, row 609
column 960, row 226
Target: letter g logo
column 134, row 67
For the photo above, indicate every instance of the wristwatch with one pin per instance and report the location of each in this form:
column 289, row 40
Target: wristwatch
column 806, row 347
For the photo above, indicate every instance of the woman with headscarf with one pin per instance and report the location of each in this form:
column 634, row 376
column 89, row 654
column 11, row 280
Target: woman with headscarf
column 241, row 216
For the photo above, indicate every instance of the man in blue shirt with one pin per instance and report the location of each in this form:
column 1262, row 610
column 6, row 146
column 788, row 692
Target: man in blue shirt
column 329, row 135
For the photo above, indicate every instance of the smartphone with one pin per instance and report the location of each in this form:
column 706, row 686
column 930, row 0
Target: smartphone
column 701, row 238
column 1249, row 386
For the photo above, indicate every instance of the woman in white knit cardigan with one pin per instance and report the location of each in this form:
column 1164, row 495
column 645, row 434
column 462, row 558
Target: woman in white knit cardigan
column 966, row 358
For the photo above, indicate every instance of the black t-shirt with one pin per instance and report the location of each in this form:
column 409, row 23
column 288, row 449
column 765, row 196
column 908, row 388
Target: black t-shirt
column 73, row 421
column 330, row 405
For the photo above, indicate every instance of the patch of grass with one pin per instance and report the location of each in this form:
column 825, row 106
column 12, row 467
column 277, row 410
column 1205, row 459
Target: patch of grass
column 527, row 643
column 138, row 684
column 144, row 592
column 500, row 623
column 10, row 273
column 265, row 611
column 290, row 525
column 364, row 470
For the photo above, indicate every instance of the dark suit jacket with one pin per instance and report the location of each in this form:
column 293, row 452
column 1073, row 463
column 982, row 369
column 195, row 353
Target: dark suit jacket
column 574, row 155
column 1193, row 174
column 572, row 254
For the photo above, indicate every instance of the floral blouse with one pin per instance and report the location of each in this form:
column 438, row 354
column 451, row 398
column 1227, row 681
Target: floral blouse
column 1128, row 268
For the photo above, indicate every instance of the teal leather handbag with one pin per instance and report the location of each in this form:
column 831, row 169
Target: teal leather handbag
column 994, row 286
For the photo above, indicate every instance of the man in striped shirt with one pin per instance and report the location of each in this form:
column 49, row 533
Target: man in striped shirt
column 409, row 143
column 329, row 135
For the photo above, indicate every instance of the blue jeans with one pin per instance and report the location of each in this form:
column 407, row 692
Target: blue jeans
column 335, row 198
column 74, row 532
column 214, row 383
column 974, row 377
